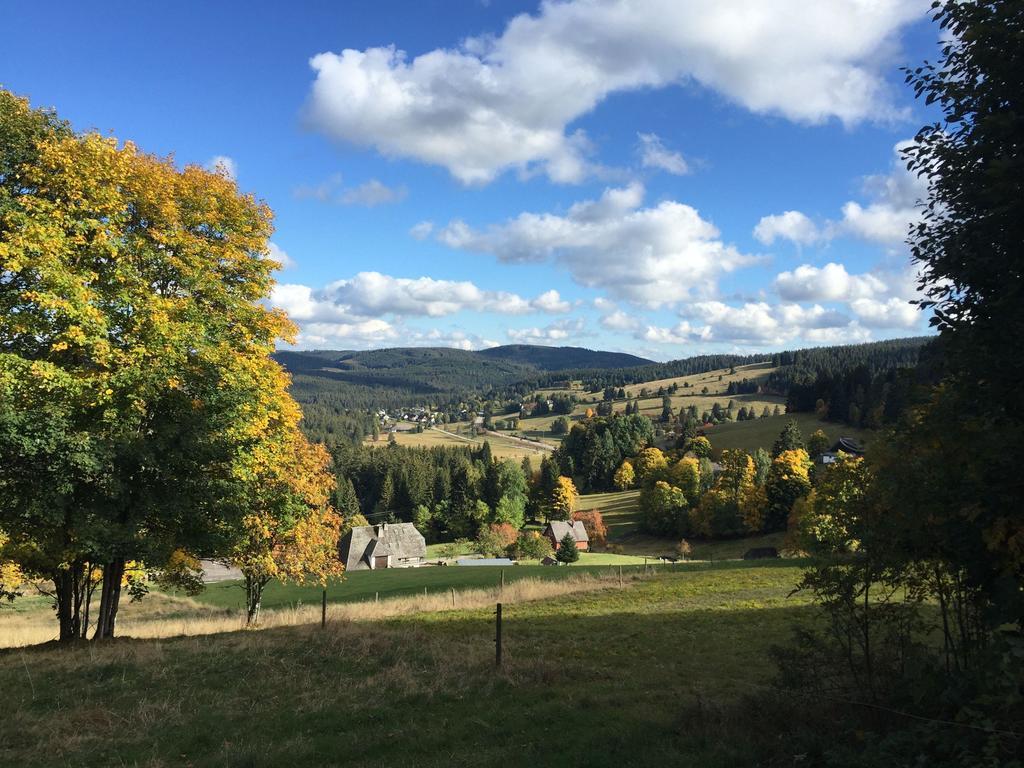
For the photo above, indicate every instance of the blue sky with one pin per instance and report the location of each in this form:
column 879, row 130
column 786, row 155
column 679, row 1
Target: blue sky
column 665, row 177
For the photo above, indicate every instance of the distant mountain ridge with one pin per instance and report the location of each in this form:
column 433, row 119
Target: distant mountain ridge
column 563, row 358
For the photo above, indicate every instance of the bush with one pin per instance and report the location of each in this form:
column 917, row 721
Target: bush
column 454, row 548
column 532, row 546
column 494, row 540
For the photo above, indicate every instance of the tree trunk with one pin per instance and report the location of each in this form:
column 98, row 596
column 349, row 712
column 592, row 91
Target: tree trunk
column 67, row 583
column 63, row 595
column 110, row 596
column 253, row 598
column 89, row 587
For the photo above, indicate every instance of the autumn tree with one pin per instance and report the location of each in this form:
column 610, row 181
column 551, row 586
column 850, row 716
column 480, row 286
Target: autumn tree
column 135, row 369
column 699, row 446
column 496, row 539
column 593, row 522
column 685, row 475
column 788, row 480
column 289, row 532
column 827, row 520
column 733, row 505
column 625, row 476
column 665, row 509
column 648, row 462
column 563, row 499
column 817, row 444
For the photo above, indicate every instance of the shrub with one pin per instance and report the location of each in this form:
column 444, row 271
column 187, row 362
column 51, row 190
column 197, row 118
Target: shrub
column 532, row 546
column 495, row 539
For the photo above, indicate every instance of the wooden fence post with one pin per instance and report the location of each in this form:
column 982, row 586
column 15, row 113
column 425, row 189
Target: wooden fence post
column 497, row 637
column 502, row 581
column 323, row 609
column 620, row 577
column 453, row 597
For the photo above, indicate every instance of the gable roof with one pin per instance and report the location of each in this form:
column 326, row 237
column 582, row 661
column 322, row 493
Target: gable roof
column 559, row 528
column 400, row 540
column 848, row 445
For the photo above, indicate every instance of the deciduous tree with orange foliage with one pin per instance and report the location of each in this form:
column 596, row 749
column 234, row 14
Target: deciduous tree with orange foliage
column 137, row 390
column 593, row 521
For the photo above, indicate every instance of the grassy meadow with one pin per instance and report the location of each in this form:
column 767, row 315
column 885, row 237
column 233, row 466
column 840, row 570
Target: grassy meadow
column 648, row 662
column 761, row 433
column 450, row 436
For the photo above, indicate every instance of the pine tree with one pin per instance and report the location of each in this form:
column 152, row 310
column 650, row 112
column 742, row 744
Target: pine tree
column 567, row 550
column 790, row 439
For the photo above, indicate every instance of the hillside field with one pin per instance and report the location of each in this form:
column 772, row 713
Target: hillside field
column 449, row 436
column 644, row 661
column 761, row 433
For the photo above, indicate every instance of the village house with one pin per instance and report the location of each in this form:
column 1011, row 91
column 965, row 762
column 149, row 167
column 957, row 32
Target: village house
column 845, row 445
column 388, row 545
column 556, row 530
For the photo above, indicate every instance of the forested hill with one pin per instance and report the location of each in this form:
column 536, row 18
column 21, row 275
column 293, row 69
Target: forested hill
column 562, row 358
column 339, row 389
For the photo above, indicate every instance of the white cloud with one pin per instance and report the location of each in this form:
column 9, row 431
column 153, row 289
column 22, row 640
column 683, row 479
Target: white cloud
column 366, row 333
column 893, row 208
column 755, row 323
column 370, row 193
column 791, row 225
column 452, row 338
column 325, row 191
column 374, row 295
column 619, row 321
column 654, row 154
column 551, row 301
column 507, row 101
column 558, row 331
column 829, row 283
column 278, row 254
column 223, row 164
column 885, row 218
column 422, row 230
column 647, row 255
column 891, row 313
column 375, row 332
column 373, row 193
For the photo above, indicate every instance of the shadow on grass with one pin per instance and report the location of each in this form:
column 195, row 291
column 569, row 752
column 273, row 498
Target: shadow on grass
column 587, row 680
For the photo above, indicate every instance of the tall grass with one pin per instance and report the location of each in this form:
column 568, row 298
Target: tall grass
column 160, row 615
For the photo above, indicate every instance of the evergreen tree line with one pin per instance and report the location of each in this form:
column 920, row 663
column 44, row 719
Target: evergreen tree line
column 868, row 396
column 449, row 493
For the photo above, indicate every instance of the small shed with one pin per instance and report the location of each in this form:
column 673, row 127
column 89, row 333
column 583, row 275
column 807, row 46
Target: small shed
column 557, row 529
column 388, row 545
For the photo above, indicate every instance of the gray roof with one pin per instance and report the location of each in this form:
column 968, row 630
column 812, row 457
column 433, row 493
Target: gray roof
column 559, row 528
column 848, row 445
column 400, row 540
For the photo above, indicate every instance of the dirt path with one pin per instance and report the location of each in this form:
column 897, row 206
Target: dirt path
column 540, row 446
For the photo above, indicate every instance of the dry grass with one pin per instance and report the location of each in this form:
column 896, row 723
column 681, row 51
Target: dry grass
column 161, row 616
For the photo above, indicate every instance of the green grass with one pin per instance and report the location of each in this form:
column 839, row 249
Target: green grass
column 620, row 510
column 392, row 582
column 607, row 678
column 761, row 433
